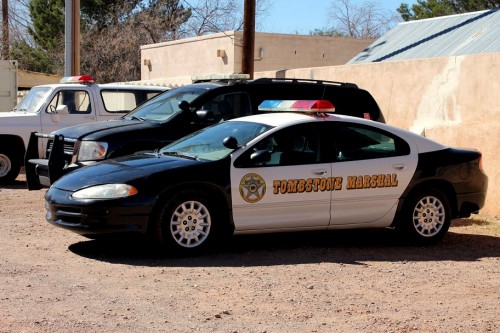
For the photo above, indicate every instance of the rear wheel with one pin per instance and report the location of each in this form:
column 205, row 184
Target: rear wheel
column 189, row 223
column 426, row 217
column 10, row 165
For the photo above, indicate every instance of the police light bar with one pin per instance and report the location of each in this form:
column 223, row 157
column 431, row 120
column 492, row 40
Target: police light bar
column 78, row 79
column 309, row 106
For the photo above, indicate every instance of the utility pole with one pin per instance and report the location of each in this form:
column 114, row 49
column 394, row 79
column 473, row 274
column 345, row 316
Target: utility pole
column 247, row 60
column 5, row 30
column 72, row 38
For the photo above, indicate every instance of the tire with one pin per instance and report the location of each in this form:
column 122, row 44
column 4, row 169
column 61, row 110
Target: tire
column 188, row 224
column 426, row 217
column 10, row 166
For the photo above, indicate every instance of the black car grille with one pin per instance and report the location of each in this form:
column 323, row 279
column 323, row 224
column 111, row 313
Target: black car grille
column 77, row 216
column 69, row 148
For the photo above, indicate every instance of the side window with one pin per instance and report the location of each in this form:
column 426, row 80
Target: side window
column 229, row 106
column 296, row 145
column 354, row 142
column 76, row 102
column 124, row 100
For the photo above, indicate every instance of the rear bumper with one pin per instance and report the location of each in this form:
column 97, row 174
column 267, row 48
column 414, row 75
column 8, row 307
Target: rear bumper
column 471, row 198
column 470, row 203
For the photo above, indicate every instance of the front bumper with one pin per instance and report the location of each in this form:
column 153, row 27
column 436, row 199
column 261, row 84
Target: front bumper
column 95, row 217
column 43, row 172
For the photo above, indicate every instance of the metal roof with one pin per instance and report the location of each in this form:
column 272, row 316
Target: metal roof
column 470, row 33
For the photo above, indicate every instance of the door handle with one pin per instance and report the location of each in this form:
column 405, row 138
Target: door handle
column 319, row 172
column 399, row 166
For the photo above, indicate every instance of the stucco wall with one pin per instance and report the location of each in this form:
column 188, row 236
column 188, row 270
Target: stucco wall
column 181, row 59
column 453, row 100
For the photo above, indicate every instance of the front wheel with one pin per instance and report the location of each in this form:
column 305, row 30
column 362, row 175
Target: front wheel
column 188, row 223
column 426, row 217
column 10, row 166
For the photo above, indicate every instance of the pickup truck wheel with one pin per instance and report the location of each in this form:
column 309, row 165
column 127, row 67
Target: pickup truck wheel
column 10, row 165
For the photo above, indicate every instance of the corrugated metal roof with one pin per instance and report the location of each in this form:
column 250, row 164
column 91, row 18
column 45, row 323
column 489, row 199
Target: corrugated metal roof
column 470, row 33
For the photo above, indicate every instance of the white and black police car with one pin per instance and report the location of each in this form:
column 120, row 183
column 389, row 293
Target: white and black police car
column 305, row 169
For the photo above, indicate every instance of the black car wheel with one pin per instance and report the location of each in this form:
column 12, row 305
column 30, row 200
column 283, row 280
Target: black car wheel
column 9, row 166
column 188, row 223
column 427, row 217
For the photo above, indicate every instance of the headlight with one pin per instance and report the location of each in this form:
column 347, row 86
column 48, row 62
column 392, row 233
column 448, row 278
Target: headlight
column 92, row 150
column 108, row 191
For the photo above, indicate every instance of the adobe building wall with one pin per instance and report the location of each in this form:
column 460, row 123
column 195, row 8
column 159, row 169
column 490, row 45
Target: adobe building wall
column 453, row 100
column 222, row 53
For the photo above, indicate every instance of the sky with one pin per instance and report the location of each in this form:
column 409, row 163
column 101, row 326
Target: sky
column 303, row 16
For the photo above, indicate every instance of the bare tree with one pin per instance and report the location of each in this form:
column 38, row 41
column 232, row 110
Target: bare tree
column 367, row 20
column 18, row 19
column 112, row 54
column 212, row 16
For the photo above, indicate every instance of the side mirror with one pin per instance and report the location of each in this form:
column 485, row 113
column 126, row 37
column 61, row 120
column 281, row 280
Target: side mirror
column 230, row 142
column 62, row 109
column 205, row 115
column 260, row 156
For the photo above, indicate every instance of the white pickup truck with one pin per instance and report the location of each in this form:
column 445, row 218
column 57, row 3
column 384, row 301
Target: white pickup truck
column 46, row 108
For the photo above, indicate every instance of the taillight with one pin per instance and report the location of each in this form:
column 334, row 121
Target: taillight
column 480, row 160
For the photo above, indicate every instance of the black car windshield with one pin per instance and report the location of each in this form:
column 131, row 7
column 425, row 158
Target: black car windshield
column 207, row 144
column 166, row 105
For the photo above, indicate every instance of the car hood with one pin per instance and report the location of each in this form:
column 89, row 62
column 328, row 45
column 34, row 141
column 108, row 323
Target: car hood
column 127, row 169
column 103, row 128
column 14, row 116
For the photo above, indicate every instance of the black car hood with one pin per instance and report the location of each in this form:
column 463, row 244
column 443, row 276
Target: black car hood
column 122, row 170
column 92, row 131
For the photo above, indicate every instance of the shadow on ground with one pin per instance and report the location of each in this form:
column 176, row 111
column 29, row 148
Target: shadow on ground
column 349, row 247
column 17, row 184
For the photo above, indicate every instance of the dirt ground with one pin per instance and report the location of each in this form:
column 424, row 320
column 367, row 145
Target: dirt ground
column 52, row 280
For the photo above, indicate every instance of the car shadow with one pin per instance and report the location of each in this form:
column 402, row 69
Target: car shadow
column 348, row 247
column 16, row 185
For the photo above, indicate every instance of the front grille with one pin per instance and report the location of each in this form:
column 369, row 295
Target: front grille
column 78, row 216
column 69, row 147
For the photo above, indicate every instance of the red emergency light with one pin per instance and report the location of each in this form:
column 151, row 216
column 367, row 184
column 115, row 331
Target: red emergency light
column 84, row 79
column 307, row 106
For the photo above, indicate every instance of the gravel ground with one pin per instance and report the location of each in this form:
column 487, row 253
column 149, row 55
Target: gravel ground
column 52, row 280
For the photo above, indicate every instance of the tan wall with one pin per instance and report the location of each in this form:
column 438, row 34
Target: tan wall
column 453, row 100
column 181, row 59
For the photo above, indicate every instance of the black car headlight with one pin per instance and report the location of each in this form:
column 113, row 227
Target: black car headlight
column 107, row 191
column 92, row 151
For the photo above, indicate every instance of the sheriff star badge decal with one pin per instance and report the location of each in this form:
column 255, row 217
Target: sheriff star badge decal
column 252, row 187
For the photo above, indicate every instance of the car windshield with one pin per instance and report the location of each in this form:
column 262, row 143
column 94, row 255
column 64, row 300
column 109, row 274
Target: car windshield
column 166, row 105
column 207, row 144
column 33, row 101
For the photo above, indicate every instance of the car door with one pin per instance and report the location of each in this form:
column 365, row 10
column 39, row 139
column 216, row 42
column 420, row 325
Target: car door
column 375, row 167
column 290, row 191
column 79, row 109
